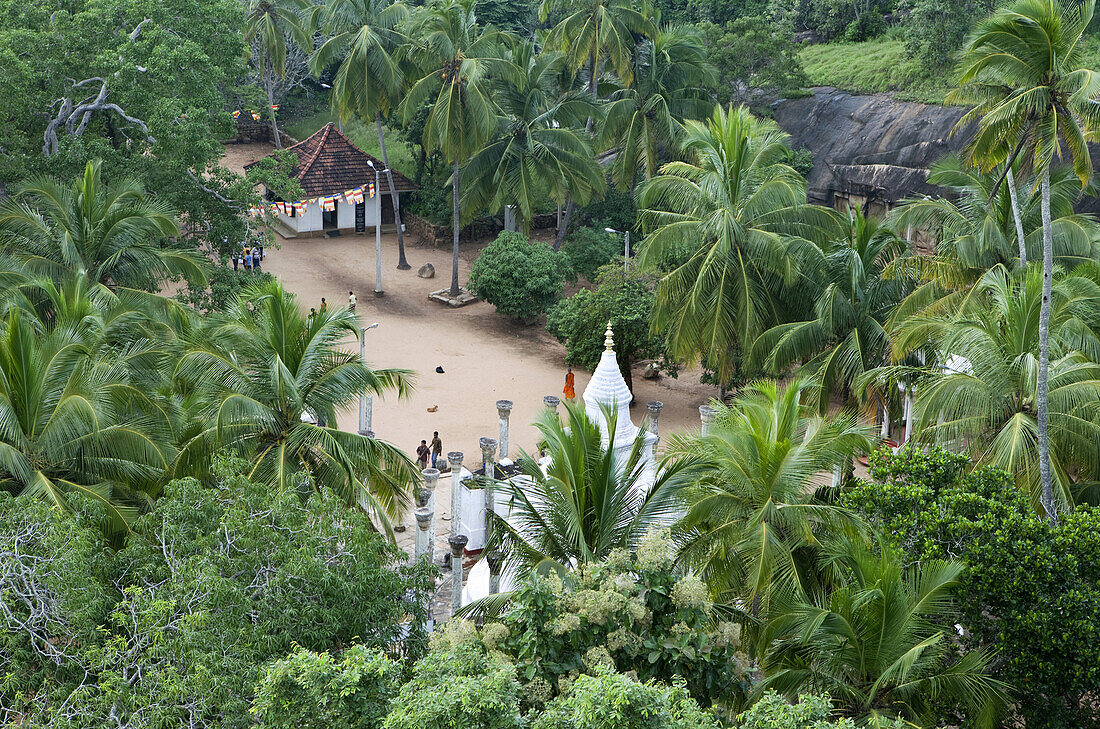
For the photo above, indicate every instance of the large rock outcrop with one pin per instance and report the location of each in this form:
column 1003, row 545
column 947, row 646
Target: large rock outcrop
column 871, row 151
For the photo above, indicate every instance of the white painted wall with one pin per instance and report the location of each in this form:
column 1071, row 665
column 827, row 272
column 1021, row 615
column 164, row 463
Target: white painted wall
column 345, row 216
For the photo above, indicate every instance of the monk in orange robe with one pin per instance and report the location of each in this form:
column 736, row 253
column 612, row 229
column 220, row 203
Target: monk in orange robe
column 568, row 391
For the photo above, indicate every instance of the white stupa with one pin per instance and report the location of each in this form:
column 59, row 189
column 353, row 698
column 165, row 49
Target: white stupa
column 607, row 388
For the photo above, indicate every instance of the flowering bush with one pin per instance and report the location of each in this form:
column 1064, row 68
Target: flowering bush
column 632, row 614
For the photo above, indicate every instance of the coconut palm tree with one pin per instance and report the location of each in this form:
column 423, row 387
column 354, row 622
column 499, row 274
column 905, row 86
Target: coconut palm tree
column 975, row 227
column 591, row 34
column 77, row 420
column 268, row 381
column 752, row 518
column 1023, row 71
column 875, row 643
column 268, row 27
column 733, row 217
column 456, row 57
column 586, row 501
column 114, row 235
column 984, row 397
column 370, row 79
column 670, row 76
column 536, row 148
column 847, row 335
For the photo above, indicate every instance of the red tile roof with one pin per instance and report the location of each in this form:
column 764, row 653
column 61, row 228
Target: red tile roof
column 328, row 163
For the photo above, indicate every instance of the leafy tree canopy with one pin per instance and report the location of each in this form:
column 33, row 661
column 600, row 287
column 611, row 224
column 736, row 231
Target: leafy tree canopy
column 520, row 277
column 1031, row 589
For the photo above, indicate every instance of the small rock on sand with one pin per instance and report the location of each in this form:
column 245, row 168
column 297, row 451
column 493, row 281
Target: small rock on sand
column 426, row 271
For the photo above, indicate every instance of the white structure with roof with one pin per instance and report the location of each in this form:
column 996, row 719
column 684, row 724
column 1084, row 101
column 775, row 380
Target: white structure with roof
column 607, row 388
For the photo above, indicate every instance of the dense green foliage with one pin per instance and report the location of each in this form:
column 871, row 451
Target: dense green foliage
column 1030, row 590
column 609, row 699
column 175, row 627
column 309, row 690
column 522, row 278
column 459, row 684
column 589, row 249
column 624, row 298
column 752, row 56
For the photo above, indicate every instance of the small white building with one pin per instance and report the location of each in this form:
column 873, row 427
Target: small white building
column 344, row 187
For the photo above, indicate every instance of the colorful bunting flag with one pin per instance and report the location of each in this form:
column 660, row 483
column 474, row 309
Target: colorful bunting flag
column 237, row 113
column 370, row 189
column 300, row 208
column 354, row 197
column 256, row 116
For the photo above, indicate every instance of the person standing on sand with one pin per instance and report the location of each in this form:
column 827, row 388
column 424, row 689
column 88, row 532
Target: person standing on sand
column 569, row 391
column 437, row 449
column 324, row 305
column 422, row 454
column 351, row 301
column 247, row 260
column 235, row 262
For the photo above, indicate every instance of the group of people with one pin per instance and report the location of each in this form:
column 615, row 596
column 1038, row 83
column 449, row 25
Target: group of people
column 250, row 258
column 434, row 451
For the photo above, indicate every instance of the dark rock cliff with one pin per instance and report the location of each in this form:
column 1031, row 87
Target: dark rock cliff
column 873, row 151
column 869, row 150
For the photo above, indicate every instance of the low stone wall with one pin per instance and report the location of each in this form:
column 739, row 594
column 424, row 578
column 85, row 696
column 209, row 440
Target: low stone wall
column 441, row 236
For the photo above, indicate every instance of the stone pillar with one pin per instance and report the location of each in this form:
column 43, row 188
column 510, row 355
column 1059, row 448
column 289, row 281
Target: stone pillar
column 424, row 519
column 504, row 409
column 431, row 481
column 495, row 559
column 551, row 402
column 509, row 218
column 458, row 547
column 706, row 417
column 488, row 462
column 654, row 408
column 454, row 460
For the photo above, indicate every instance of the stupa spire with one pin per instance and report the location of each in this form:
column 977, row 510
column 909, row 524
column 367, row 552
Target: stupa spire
column 609, row 338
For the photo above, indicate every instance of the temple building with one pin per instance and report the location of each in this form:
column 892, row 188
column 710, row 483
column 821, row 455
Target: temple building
column 344, row 187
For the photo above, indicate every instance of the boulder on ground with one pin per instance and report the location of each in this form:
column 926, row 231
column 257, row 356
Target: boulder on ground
column 652, row 371
column 426, row 271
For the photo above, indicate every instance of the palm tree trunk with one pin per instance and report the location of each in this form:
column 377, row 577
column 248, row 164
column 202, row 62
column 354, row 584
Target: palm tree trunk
column 1016, row 217
column 402, row 264
column 570, row 206
column 1044, row 353
column 454, row 260
column 271, row 103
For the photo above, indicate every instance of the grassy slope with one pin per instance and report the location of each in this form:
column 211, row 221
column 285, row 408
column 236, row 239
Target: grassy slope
column 884, row 65
column 364, row 136
column 872, row 67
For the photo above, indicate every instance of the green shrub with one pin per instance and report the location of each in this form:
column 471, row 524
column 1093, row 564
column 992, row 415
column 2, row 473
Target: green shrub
column 520, row 277
column 626, row 299
column 608, row 700
column 590, row 248
column 458, row 685
column 308, row 690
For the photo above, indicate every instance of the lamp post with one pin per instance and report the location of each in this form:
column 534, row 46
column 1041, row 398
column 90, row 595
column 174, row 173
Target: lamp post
column 366, row 402
column 377, row 227
column 626, row 245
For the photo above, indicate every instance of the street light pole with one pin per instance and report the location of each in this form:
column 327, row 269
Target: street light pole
column 366, row 402
column 626, row 245
column 377, row 228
